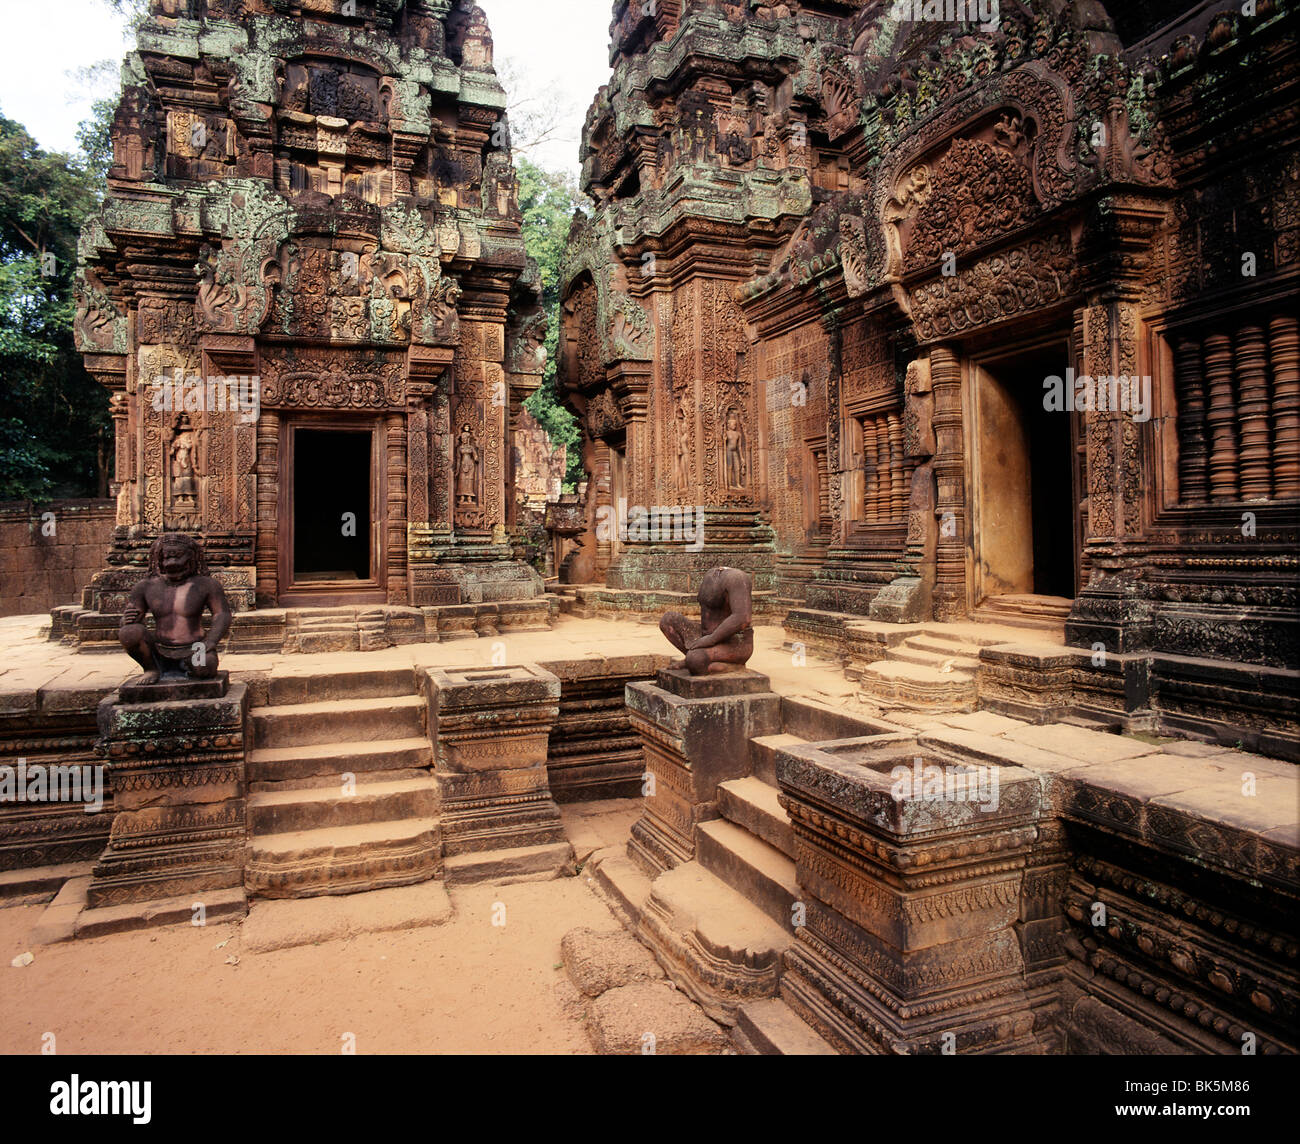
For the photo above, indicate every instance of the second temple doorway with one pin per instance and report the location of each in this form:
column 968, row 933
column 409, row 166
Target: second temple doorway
column 329, row 535
column 1026, row 481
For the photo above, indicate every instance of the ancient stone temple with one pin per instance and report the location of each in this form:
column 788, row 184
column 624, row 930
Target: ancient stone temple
column 308, row 296
column 933, row 314
column 940, row 383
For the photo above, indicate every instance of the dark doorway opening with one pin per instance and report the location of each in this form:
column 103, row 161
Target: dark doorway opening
column 1051, row 484
column 1028, row 520
column 331, row 505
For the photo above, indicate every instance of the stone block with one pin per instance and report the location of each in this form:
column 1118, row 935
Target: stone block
column 695, row 733
column 177, row 771
column 651, row 1018
column 597, row 961
column 490, row 728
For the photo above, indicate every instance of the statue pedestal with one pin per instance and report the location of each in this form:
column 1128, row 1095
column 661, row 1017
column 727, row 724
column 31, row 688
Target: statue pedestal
column 695, row 733
column 176, row 766
column 491, row 728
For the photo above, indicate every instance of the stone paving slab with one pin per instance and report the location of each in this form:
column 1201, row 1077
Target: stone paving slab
column 1150, row 777
column 1275, row 807
column 1080, row 743
column 292, row 922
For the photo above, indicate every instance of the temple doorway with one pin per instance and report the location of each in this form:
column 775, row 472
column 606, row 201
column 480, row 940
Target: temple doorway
column 1026, row 527
column 329, row 541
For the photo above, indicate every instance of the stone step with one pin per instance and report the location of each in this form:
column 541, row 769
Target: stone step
column 943, row 644
column 344, row 859
column 752, row 804
column 936, row 659
column 762, row 754
column 1057, row 607
column 295, row 807
column 716, row 945
column 36, row 885
column 771, row 1028
column 334, row 779
column 517, row 864
column 315, row 687
column 330, row 760
column 331, row 721
column 287, row 924
column 622, row 882
column 760, row 873
column 318, row 615
column 918, row 687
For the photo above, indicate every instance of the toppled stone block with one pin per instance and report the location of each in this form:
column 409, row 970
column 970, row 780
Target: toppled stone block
column 652, row 1019
column 597, row 961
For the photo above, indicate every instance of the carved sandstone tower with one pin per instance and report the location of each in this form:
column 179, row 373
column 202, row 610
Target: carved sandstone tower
column 308, row 295
column 697, row 157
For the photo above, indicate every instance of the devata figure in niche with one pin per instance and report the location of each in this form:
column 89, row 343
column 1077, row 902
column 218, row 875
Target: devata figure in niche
column 735, row 448
column 184, row 485
column 683, row 453
column 176, row 591
column 466, row 468
column 723, row 640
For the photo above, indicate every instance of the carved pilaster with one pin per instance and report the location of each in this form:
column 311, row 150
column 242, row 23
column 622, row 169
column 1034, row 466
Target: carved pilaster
column 395, row 433
column 268, row 497
column 949, row 466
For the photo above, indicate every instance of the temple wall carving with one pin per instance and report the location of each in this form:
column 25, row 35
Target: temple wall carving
column 331, row 244
column 1052, row 201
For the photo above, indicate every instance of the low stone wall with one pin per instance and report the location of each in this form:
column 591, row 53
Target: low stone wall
column 46, row 560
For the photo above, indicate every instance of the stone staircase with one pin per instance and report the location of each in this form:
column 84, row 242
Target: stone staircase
column 341, row 794
column 720, row 924
column 929, row 667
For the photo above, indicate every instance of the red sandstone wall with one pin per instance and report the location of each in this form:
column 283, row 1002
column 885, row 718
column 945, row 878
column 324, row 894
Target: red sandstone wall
column 798, row 356
column 38, row 572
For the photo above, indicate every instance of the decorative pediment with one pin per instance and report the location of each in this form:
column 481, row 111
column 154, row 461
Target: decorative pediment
column 977, row 193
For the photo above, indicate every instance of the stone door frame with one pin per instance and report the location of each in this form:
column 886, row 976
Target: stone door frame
column 972, row 364
column 334, row 594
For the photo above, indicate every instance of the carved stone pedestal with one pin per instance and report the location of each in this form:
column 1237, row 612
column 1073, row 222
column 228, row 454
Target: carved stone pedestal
column 490, row 728
column 176, row 766
column 913, row 863
column 695, row 733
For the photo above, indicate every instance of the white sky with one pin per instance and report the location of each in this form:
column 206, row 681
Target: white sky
column 558, row 49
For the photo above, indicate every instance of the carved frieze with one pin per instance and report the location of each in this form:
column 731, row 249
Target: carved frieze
column 999, row 286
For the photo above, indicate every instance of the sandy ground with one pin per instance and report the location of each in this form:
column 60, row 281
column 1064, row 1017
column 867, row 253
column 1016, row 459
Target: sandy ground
column 466, row 986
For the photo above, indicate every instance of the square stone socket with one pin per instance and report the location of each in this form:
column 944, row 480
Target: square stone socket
column 855, row 776
column 514, row 685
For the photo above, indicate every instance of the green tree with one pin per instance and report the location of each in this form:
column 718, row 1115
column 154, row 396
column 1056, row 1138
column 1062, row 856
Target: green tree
column 53, row 414
column 548, row 200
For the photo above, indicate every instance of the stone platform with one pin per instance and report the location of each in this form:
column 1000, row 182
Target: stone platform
column 313, row 631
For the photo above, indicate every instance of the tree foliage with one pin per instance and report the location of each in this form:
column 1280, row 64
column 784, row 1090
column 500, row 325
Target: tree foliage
column 548, row 200
column 53, row 415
